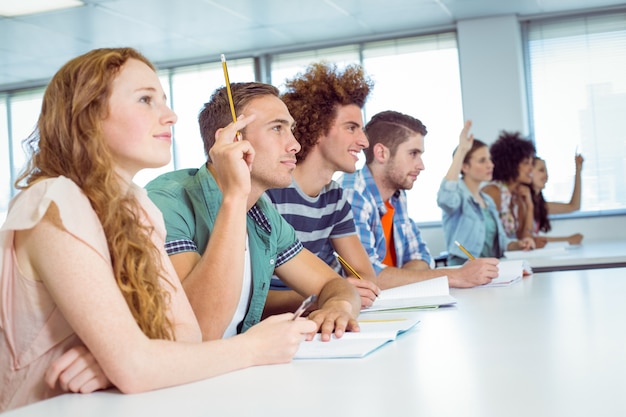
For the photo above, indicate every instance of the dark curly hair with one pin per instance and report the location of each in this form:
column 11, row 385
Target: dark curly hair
column 312, row 98
column 507, row 152
column 391, row 128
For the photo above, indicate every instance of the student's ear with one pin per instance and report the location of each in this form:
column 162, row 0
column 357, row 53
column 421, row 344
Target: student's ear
column 381, row 152
column 217, row 134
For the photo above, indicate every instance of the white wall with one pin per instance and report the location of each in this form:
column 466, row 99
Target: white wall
column 492, row 75
column 494, row 97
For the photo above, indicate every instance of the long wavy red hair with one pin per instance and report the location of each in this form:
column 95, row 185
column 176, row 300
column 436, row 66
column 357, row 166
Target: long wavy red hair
column 68, row 141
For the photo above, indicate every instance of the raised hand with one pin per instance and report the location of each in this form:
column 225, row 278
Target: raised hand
column 578, row 159
column 233, row 158
column 466, row 139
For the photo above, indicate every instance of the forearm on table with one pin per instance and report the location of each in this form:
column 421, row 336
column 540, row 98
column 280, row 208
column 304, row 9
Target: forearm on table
column 413, row 271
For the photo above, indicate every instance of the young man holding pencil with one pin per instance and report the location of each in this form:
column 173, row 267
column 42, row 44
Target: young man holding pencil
column 326, row 104
column 224, row 241
column 377, row 194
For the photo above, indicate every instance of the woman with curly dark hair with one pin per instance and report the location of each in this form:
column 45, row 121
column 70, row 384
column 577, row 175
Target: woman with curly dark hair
column 512, row 174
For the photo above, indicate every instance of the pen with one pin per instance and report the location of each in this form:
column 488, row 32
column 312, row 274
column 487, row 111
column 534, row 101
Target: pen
column 347, row 266
column 465, row 251
column 305, row 304
column 230, row 94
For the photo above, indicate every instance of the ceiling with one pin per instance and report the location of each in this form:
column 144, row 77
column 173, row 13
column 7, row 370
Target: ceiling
column 170, row 32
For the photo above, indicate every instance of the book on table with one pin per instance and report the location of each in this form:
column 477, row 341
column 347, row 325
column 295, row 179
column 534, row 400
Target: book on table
column 429, row 293
column 376, row 330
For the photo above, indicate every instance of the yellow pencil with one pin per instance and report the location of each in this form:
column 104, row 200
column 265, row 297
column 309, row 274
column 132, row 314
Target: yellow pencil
column 230, row 94
column 347, row 266
column 465, row 251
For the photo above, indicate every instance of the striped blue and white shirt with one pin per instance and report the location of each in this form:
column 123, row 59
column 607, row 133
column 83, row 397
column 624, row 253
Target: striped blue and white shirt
column 316, row 220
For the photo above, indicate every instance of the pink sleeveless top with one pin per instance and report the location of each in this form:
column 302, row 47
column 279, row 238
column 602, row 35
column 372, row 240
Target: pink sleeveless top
column 33, row 332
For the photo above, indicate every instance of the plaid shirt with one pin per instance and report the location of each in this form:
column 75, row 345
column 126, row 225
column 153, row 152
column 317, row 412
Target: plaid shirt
column 368, row 208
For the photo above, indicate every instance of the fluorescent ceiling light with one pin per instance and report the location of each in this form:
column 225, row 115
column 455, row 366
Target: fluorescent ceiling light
column 22, row 7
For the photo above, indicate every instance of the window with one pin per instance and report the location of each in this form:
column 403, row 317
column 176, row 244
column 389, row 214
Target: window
column 578, row 94
column 191, row 88
column 286, row 66
column 418, row 76
column 25, row 108
column 5, row 153
column 18, row 120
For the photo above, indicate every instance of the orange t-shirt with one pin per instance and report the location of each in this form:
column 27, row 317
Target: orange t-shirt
column 387, row 221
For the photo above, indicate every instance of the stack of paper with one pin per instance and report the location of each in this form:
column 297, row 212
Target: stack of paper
column 429, row 293
column 377, row 329
column 510, row 272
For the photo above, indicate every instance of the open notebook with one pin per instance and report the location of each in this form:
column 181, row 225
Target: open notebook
column 377, row 329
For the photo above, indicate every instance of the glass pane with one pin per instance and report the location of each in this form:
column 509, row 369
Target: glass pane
column 420, row 77
column 25, row 109
column 578, row 90
column 192, row 88
column 288, row 65
column 5, row 168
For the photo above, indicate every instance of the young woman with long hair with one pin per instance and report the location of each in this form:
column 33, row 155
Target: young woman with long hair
column 88, row 296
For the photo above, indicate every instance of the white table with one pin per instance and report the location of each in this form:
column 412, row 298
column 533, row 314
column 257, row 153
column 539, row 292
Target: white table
column 552, row 345
column 588, row 255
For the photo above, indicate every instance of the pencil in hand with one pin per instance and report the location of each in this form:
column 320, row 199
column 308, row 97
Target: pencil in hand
column 465, row 251
column 346, row 265
column 230, row 94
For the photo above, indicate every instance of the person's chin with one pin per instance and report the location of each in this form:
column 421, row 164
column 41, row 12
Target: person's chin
column 349, row 169
column 408, row 185
column 283, row 182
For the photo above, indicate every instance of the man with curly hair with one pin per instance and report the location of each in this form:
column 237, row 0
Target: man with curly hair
column 326, row 104
column 377, row 194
